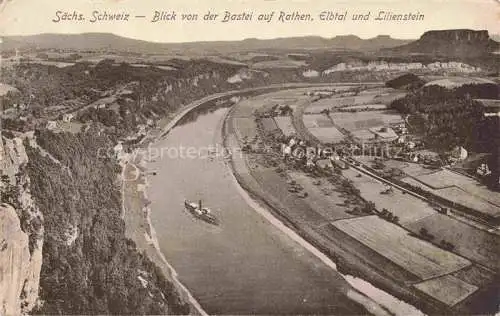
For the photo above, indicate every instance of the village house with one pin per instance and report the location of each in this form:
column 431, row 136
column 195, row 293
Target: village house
column 67, row 117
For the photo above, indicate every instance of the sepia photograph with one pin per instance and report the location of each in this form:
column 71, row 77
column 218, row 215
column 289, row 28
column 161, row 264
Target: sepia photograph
column 250, row 157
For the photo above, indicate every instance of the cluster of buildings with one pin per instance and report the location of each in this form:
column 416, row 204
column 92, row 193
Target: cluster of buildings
column 383, row 65
column 66, row 118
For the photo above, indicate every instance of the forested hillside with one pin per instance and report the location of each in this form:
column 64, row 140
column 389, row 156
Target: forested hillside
column 89, row 267
column 449, row 117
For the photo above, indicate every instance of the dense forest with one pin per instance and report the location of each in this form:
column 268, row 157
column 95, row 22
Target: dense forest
column 449, row 117
column 98, row 271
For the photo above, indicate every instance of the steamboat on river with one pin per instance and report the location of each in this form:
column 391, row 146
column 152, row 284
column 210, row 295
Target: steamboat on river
column 200, row 212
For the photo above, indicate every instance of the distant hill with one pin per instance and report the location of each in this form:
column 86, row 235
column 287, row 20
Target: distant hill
column 461, row 43
column 106, row 41
column 352, row 42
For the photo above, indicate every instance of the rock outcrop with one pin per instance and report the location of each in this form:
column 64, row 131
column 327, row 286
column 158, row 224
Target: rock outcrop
column 461, row 43
column 448, row 66
column 19, row 270
column 20, row 240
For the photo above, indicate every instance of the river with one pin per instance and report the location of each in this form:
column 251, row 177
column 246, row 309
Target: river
column 245, row 265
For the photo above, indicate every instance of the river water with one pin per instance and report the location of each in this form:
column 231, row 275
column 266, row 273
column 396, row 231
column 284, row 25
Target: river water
column 245, row 265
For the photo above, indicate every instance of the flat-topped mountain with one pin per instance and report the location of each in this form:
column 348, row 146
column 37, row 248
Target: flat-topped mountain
column 461, row 43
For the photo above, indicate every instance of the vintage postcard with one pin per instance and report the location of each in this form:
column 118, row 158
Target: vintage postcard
column 250, row 157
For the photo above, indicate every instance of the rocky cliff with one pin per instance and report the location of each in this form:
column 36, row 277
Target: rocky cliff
column 19, row 269
column 20, row 233
column 461, row 43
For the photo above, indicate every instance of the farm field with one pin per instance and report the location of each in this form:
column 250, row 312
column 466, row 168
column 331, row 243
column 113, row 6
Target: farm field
column 410, row 168
column 157, row 66
column 363, row 134
column 388, row 134
column 222, row 60
column 330, row 206
column 365, row 120
column 268, row 104
column 459, row 196
column 447, row 289
column 364, row 159
column 375, row 91
column 58, row 64
column 285, row 124
column 328, row 104
column 394, row 243
column 292, row 102
column 366, row 106
column 444, row 178
column 245, row 108
column 265, row 102
column 261, row 103
column 364, row 98
column 297, row 208
column 408, row 208
column 327, row 134
column 245, row 127
column 70, row 127
column 288, row 97
column 465, row 198
column 386, row 98
column 470, row 242
column 477, row 275
column 482, row 192
column 316, row 120
column 269, row 124
column 447, row 178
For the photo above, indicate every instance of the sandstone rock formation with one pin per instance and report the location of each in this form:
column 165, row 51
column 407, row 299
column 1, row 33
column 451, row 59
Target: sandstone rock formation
column 461, row 43
column 19, row 271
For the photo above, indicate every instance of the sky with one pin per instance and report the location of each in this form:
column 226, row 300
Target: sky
column 24, row 17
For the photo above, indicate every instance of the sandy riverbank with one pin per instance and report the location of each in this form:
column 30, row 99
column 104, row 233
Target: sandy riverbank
column 139, row 229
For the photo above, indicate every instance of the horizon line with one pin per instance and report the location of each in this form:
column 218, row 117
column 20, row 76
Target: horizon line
column 244, row 39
